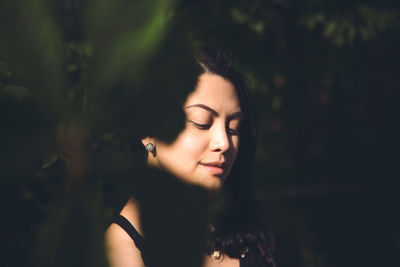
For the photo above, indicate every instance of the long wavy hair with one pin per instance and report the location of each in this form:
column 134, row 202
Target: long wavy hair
column 237, row 228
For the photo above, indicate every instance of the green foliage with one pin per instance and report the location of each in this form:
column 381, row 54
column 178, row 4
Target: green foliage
column 31, row 47
column 17, row 92
column 324, row 80
column 134, row 31
column 343, row 29
column 242, row 18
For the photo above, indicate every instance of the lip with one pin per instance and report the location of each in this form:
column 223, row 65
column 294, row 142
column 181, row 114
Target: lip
column 214, row 168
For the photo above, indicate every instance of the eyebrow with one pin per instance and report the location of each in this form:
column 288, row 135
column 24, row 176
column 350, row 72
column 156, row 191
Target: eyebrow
column 234, row 115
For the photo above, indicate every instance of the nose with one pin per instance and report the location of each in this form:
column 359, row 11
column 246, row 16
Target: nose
column 219, row 139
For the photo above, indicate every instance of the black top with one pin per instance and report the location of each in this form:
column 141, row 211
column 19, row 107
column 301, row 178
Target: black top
column 131, row 231
column 252, row 258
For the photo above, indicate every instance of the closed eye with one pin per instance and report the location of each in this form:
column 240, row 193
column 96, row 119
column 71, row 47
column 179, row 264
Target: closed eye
column 207, row 126
column 233, row 126
column 233, row 131
column 201, row 126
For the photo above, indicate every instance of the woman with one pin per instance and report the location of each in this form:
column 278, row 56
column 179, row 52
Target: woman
column 213, row 151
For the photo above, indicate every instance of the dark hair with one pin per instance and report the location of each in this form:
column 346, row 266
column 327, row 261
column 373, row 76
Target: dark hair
column 237, row 229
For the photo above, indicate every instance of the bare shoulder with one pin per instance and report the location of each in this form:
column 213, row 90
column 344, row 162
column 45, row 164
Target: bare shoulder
column 131, row 211
column 120, row 248
column 224, row 261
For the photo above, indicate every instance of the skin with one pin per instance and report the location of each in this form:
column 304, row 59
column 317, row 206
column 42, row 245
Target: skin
column 211, row 135
column 210, row 142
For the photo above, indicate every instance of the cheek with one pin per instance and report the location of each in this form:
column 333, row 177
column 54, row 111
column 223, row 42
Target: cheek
column 236, row 143
column 190, row 146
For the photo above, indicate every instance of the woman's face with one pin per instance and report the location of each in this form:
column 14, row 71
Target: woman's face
column 204, row 152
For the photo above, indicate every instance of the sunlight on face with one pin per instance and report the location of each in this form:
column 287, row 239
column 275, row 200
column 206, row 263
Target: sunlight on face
column 204, row 152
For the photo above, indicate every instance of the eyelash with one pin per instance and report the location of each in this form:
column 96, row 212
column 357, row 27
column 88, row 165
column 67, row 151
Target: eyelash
column 233, row 132
column 201, row 126
column 207, row 126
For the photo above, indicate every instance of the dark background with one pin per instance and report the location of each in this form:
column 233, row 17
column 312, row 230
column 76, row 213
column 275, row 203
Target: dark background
column 324, row 77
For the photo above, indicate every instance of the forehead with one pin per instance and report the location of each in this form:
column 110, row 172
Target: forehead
column 215, row 92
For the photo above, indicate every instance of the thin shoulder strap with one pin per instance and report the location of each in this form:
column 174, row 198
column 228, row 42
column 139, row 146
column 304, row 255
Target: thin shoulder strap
column 131, row 231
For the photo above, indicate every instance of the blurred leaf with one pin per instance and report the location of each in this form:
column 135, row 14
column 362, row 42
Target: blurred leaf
column 339, row 40
column 31, row 47
column 276, row 103
column 49, row 160
column 352, row 34
column 313, row 20
column 134, row 31
column 342, row 28
column 15, row 91
column 239, row 16
column 254, row 24
column 329, row 29
column 365, row 33
column 257, row 27
column 71, row 67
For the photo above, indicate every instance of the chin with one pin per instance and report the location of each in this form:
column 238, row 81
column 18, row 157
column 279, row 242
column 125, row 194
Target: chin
column 212, row 183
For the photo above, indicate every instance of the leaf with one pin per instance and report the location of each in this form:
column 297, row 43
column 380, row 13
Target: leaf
column 30, row 45
column 134, row 32
column 313, row 20
column 49, row 160
column 276, row 103
column 239, row 16
column 352, row 34
column 330, row 28
column 15, row 91
column 257, row 27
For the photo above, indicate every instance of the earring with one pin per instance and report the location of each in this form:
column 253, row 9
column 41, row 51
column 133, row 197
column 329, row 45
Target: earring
column 216, row 254
column 149, row 147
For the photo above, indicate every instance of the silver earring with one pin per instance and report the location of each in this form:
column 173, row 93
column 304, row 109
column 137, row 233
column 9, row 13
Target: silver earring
column 149, row 147
column 216, row 254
